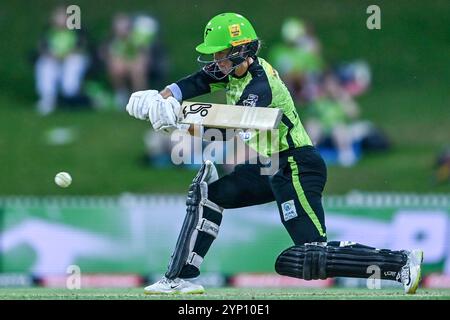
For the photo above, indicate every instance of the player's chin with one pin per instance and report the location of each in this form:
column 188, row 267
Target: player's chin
column 225, row 70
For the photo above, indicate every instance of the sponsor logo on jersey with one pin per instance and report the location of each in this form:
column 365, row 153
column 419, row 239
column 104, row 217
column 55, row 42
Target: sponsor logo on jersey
column 251, row 100
column 288, row 209
column 245, row 135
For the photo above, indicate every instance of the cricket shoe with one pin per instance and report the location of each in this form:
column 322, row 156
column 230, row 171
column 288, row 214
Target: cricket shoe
column 175, row 286
column 411, row 271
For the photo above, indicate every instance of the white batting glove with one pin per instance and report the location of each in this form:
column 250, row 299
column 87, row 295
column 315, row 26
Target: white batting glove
column 163, row 114
column 178, row 126
column 139, row 104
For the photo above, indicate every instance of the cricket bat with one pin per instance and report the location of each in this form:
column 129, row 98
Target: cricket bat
column 229, row 116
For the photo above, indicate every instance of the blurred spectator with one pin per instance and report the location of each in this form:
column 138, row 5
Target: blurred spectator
column 354, row 77
column 298, row 59
column 326, row 95
column 61, row 65
column 442, row 167
column 333, row 123
column 158, row 148
column 133, row 55
column 330, row 115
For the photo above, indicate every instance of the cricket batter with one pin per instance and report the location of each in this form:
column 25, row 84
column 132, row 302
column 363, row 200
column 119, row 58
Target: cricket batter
column 296, row 186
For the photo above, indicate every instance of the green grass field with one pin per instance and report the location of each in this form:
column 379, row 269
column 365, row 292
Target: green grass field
column 225, row 294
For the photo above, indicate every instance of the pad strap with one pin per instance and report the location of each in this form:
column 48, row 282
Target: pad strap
column 209, row 227
column 205, row 202
column 195, row 260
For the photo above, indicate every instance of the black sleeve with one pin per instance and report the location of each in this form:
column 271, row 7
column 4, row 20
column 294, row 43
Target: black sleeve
column 258, row 92
column 196, row 84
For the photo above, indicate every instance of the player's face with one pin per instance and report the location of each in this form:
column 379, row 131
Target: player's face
column 225, row 65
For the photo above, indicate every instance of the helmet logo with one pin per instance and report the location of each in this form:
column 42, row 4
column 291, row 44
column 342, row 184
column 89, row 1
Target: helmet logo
column 235, row 30
column 239, row 42
column 207, row 31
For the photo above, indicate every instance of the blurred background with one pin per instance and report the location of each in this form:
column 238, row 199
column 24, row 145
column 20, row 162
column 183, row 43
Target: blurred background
column 375, row 102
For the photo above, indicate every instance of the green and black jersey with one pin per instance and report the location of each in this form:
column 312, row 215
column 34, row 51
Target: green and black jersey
column 260, row 86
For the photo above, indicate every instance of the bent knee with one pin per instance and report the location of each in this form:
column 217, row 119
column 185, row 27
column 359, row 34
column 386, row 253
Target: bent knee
column 223, row 197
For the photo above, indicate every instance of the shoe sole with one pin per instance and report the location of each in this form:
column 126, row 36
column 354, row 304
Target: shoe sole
column 174, row 292
column 415, row 285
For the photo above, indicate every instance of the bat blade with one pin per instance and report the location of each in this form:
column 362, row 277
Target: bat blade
column 216, row 115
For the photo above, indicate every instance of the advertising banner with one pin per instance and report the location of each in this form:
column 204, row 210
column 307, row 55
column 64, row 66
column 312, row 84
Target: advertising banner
column 135, row 234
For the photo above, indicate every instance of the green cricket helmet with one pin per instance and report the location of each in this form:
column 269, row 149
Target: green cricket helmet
column 228, row 31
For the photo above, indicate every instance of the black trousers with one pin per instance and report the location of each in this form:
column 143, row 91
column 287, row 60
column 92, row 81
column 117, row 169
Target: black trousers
column 296, row 187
